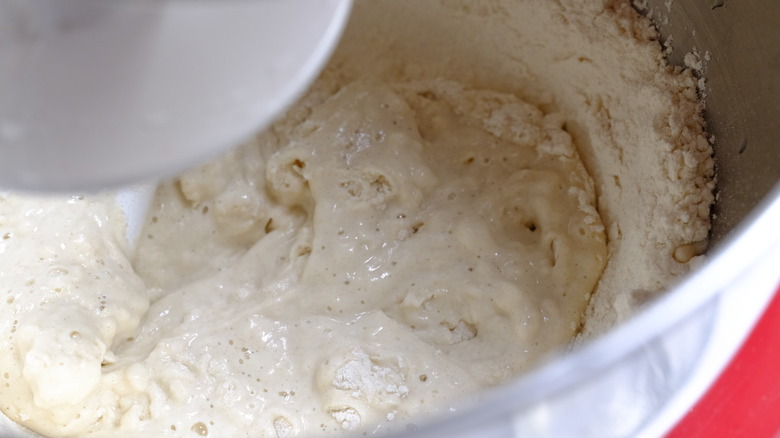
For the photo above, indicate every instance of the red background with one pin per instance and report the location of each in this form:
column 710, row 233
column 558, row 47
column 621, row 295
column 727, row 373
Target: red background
column 745, row 400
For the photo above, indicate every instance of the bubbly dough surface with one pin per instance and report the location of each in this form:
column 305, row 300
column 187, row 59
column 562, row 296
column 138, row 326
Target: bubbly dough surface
column 400, row 247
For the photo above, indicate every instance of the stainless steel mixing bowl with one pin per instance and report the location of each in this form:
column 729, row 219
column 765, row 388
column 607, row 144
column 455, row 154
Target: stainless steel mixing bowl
column 629, row 382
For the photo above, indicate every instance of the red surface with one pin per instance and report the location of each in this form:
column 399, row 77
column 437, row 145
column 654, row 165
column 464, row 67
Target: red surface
column 745, row 399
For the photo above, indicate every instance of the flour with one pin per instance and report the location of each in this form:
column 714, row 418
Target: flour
column 365, row 379
column 464, row 182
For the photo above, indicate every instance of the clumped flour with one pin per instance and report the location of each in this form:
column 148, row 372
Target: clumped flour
column 468, row 187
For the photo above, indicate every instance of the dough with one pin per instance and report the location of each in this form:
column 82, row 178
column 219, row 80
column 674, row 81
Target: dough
column 406, row 244
column 410, row 233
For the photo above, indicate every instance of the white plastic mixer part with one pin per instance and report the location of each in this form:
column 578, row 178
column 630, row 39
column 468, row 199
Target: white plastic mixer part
column 97, row 93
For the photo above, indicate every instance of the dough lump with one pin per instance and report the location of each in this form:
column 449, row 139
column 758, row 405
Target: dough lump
column 404, row 245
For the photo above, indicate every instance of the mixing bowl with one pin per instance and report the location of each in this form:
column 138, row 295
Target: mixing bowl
column 639, row 378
